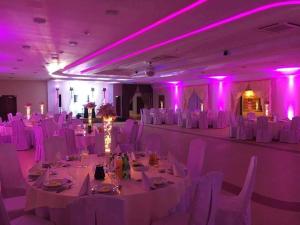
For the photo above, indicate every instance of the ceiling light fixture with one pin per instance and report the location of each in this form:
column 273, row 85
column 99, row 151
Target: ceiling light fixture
column 217, row 77
column 136, row 34
column 197, row 31
column 73, row 43
column 26, row 46
column 39, row 20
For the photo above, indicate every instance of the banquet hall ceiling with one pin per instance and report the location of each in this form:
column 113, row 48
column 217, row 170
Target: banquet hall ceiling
column 44, row 39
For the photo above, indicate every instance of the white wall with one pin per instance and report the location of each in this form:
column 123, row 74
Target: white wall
column 34, row 92
column 82, row 89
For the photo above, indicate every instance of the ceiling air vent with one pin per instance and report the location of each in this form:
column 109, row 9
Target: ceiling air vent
column 279, row 27
column 162, row 58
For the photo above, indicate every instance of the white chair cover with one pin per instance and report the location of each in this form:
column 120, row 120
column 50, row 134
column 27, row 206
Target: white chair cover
column 233, row 126
column 221, row 121
column 39, row 143
column 49, row 127
column 198, row 204
column 147, row 116
column 62, row 119
column 20, row 137
column 10, row 117
column 263, row 131
column 244, row 130
column 152, row 143
column 12, row 181
column 69, row 136
column 237, row 210
column 203, row 120
column 55, row 148
column 179, row 119
column 291, row 134
column 188, row 120
column 196, row 157
column 170, row 117
column 157, row 120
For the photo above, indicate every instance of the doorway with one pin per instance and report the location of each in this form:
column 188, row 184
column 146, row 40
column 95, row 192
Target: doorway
column 8, row 104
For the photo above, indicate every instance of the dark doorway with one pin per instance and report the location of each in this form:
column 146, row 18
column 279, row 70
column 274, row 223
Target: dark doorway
column 8, row 104
column 161, row 101
column 139, row 104
column 118, row 105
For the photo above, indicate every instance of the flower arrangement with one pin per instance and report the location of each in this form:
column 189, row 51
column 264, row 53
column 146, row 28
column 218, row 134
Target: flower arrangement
column 106, row 110
column 28, row 105
column 90, row 105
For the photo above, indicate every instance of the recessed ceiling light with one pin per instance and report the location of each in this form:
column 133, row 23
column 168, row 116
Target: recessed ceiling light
column 87, row 33
column 15, row 68
column 73, row 43
column 60, row 52
column 39, row 20
column 26, row 46
column 20, row 60
column 111, row 12
column 46, row 63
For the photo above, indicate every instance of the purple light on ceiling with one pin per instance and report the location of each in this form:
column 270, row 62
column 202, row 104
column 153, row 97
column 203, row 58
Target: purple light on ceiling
column 291, row 95
column 220, row 96
column 288, row 70
column 136, row 34
column 218, row 77
column 197, row 31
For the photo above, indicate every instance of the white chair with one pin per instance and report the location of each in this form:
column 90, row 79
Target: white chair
column 69, row 135
column 22, row 220
column 170, row 117
column 10, row 117
column 198, row 204
column 152, row 143
column 244, row 130
column 39, row 143
column 188, row 120
column 135, row 145
column 220, row 121
column 147, row 116
column 236, row 210
column 291, row 134
column 12, row 182
column 233, row 126
column 179, row 119
column 157, row 120
column 97, row 209
column 196, row 157
column 20, row 137
column 62, row 119
column 263, row 131
column 203, row 120
column 251, row 116
column 49, row 127
column 55, row 148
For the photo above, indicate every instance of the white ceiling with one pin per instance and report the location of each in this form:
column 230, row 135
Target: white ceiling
column 253, row 53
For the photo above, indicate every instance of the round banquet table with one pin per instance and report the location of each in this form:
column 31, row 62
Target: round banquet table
column 142, row 205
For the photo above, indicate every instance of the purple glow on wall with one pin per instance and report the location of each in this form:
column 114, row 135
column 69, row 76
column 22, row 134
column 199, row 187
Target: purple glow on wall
column 136, row 34
column 194, row 32
column 291, row 97
column 288, row 70
column 220, row 96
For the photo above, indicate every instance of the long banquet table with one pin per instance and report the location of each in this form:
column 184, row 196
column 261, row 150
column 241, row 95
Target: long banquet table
column 142, row 206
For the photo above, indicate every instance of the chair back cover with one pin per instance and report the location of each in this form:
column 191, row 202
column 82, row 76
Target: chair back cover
column 203, row 120
column 61, row 119
column 39, row 143
column 188, row 120
column 204, row 205
column 10, row 117
column 69, row 136
column 98, row 210
column 295, row 125
column 170, row 117
column 99, row 143
column 19, row 136
column 262, row 122
column 49, row 127
column 196, row 157
column 246, row 192
column 4, row 219
column 55, row 148
column 10, row 171
column 251, row 116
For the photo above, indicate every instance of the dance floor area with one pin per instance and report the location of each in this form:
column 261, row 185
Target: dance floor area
column 277, row 167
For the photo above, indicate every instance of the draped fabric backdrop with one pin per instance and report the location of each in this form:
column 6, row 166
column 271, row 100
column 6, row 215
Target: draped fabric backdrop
column 261, row 88
column 190, row 94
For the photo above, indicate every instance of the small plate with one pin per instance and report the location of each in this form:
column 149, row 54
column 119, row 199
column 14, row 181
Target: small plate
column 54, row 183
column 104, row 188
column 159, row 181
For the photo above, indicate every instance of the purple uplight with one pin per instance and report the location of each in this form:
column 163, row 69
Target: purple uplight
column 197, row 31
column 220, row 96
column 136, row 34
column 173, row 82
column 291, row 97
column 288, row 70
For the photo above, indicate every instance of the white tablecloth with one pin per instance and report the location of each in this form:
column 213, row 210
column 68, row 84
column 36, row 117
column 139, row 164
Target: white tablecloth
column 142, row 206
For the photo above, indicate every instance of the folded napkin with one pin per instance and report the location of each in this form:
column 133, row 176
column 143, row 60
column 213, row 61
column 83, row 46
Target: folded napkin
column 146, row 182
column 85, row 187
column 179, row 169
